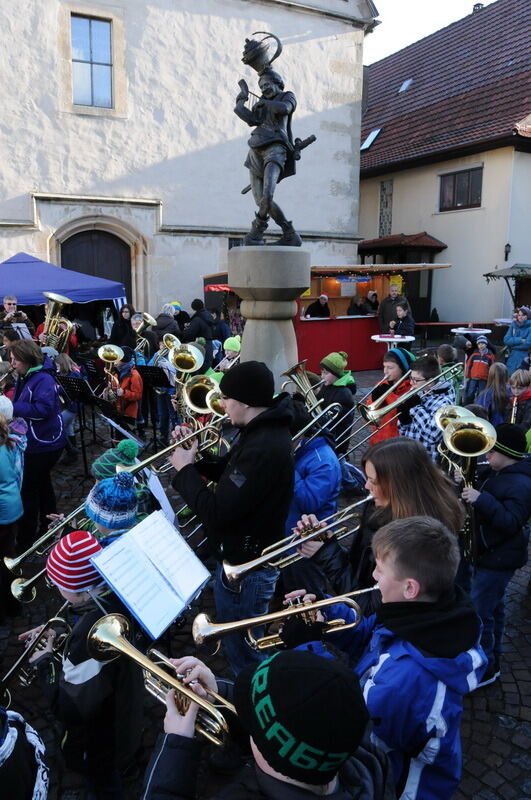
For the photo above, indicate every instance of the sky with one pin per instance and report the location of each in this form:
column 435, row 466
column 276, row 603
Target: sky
column 406, row 21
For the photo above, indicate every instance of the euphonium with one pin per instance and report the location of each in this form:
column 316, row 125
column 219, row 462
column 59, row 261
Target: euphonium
column 298, row 374
column 270, row 556
column 47, row 538
column 142, row 344
column 196, row 393
column 204, row 629
column 110, row 353
column 22, row 668
column 107, row 639
column 56, row 329
column 186, row 358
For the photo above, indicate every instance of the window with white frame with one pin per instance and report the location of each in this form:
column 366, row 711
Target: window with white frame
column 91, row 61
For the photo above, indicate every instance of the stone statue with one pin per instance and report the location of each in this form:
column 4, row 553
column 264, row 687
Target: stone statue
column 272, row 150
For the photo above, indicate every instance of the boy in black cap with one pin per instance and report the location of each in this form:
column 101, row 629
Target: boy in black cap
column 247, row 509
column 502, row 507
column 306, row 720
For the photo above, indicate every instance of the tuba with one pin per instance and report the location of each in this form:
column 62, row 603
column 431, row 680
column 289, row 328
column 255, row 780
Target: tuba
column 107, row 639
column 142, row 344
column 57, row 329
column 299, row 375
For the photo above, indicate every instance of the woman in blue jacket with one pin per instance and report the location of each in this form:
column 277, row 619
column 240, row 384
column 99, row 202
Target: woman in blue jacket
column 36, row 400
column 11, row 454
column 518, row 339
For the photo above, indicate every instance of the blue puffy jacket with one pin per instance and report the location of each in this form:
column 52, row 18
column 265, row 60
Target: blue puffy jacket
column 415, row 701
column 502, row 511
column 36, row 400
column 317, row 481
column 518, row 340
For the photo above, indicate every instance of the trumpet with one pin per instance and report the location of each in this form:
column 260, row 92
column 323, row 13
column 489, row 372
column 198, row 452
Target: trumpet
column 513, row 410
column 270, row 556
column 204, row 629
column 46, row 539
column 22, row 668
column 107, row 639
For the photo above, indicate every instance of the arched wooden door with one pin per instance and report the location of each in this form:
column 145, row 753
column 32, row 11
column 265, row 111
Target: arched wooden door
column 100, row 254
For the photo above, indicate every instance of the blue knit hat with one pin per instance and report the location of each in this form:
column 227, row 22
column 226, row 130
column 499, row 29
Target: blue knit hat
column 400, row 356
column 112, row 503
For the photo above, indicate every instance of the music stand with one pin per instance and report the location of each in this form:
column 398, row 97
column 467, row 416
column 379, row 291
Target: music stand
column 78, row 391
column 154, row 378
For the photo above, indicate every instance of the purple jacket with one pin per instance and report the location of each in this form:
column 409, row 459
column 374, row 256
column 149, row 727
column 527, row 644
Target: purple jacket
column 37, row 401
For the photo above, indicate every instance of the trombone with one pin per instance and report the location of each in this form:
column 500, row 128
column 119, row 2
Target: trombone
column 204, row 629
column 107, row 639
column 20, row 586
column 46, row 539
column 22, row 667
column 270, row 556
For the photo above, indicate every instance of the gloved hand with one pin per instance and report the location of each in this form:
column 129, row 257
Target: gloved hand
column 404, row 416
column 296, row 631
column 378, row 391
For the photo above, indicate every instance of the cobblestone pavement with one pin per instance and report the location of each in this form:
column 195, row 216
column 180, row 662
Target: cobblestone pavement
column 496, row 728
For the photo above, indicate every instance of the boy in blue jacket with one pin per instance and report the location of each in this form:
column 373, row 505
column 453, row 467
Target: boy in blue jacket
column 417, row 656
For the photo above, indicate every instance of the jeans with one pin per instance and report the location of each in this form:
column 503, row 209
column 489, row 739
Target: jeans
column 473, row 387
column 488, row 596
column 249, row 599
column 68, row 421
column 166, row 414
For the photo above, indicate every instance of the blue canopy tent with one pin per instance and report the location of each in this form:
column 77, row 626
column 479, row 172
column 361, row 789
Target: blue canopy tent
column 27, row 278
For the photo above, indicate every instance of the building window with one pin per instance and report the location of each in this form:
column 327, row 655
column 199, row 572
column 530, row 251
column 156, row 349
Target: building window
column 91, row 62
column 461, row 189
column 385, row 221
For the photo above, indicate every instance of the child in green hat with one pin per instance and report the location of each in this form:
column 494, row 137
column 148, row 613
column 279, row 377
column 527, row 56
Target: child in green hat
column 338, row 386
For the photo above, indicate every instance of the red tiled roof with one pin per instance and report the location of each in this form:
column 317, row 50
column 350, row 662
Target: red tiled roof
column 423, row 240
column 471, row 86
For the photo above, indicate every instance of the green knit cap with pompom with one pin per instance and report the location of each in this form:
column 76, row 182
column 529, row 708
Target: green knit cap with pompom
column 125, row 453
column 336, row 363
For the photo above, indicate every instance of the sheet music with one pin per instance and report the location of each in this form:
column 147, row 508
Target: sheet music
column 170, row 554
column 157, row 490
column 140, row 586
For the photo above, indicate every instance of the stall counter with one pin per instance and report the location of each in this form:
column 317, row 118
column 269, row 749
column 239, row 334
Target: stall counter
column 317, row 337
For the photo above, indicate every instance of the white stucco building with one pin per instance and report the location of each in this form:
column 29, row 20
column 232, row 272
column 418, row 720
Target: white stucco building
column 122, row 155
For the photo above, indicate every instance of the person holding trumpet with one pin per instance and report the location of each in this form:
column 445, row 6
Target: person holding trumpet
column 99, row 704
column 416, row 657
column 305, row 721
column 247, row 509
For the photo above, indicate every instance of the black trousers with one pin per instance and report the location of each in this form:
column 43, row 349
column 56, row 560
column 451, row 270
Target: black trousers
column 38, row 496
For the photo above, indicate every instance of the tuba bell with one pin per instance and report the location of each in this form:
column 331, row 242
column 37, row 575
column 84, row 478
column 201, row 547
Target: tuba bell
column 57, row 329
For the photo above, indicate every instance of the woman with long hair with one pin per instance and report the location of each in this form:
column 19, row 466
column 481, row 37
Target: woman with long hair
column 122, row 333
column 404, row 482
column 496, row 396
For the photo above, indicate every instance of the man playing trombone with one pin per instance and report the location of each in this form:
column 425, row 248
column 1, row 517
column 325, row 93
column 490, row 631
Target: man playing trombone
column 247, row 509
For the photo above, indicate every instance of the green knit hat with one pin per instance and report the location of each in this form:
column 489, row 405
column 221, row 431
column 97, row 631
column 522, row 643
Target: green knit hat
column 336, row 363
column 232, row 343
column 125, row 452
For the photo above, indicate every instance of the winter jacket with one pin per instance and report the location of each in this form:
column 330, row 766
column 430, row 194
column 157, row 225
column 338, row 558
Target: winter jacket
column 342, row 391
column 501, row 513
column 478, row 365
column 172, row 775
column 17, row 319
column 317, row 311
column 99, row 703
column 10, row 502
column 36, row 400
column 122, row 333
column 387, row 311
column 351, row 569
column 247, row 510
column 496, row 415
column 422, row 427
column 386, row 428
column 523, row 411
column 518, row 340
column 201, row 325
column 165, row 324
column 415, row 662
column 317, row 481
column 404, row 326
column 23, row 773
column 131, row 382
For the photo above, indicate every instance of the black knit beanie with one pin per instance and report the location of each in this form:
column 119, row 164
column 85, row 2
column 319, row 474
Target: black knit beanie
column 197, row 304
column 510, row 440
column 306, row 713
column 251, row 383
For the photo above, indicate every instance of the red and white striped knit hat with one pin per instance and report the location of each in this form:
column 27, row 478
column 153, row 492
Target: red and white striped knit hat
column 68, row 565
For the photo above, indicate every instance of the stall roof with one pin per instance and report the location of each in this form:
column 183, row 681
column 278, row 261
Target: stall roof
column 28, row 277
column 364, row 269
column 516, row 271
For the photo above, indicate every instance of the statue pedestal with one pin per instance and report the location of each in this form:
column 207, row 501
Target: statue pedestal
column 268, row 279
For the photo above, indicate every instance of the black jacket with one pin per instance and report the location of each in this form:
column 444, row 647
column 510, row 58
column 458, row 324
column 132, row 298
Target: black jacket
column 122, row 334
column 172, row 775
column 100, row 704
column 315, row 310
column 405, row 326
column 201, row 325
column 345, row 396
column 248, row 508
column 352, row 569
column 166, row 324
column 501, row 512
column 387, row 311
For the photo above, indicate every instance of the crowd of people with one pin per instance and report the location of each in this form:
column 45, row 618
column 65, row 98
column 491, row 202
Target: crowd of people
column 414, row 601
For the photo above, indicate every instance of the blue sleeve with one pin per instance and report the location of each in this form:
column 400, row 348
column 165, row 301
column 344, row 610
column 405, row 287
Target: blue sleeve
column 44, row 402
column 352, row 641
column 507, row 516
column 315, row 484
